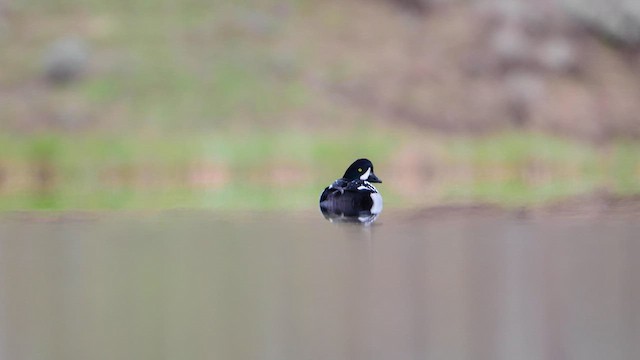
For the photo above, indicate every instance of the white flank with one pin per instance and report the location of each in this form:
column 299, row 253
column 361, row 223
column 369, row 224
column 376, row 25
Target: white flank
column 365, row 176
column 377, row 203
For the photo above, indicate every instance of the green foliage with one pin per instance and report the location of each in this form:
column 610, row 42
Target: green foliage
column 626, row 167
column 147, row 172
column 568, row 168
column 267, row 170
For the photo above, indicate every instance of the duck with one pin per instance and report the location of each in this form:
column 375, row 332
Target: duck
column 353, row 196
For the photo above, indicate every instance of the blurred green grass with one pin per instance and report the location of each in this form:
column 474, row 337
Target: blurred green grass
column 287, row 170
column 98, row 171
column 544, row 168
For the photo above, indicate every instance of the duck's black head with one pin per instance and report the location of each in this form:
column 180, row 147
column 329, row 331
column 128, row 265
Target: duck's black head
column 361, row 169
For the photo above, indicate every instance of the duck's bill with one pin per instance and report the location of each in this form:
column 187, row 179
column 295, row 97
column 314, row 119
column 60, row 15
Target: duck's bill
column 373, row 178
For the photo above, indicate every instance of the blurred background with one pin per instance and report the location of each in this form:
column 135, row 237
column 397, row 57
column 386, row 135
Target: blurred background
column 259, row 104
column 251, row 108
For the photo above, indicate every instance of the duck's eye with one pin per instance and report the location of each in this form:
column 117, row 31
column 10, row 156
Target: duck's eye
column 359, row 169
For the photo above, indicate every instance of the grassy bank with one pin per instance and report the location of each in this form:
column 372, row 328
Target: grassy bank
column 287, row 170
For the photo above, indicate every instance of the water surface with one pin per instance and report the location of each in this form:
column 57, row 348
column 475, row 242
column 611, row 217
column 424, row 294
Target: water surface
column 197, row 285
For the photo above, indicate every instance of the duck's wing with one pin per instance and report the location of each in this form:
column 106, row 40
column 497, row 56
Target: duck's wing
column 337, row 187
column 360, row 186
column 354, row 185
column 339, row 184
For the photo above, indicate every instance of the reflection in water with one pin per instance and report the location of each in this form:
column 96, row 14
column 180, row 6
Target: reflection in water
column 192, row 286
column 363, row 217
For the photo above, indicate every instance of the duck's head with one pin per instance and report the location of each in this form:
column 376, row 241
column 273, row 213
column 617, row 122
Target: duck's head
column 361, row 169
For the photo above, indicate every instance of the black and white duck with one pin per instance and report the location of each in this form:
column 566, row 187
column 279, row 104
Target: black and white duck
column 353, row 196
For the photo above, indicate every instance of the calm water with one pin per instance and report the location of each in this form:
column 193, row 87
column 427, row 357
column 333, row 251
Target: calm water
column 200, row 286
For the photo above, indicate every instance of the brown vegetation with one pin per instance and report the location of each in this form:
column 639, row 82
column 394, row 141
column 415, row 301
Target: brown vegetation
column 482, row 66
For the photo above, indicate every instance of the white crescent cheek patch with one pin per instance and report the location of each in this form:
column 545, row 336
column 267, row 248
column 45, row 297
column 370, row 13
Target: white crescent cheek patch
column 365, row 176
